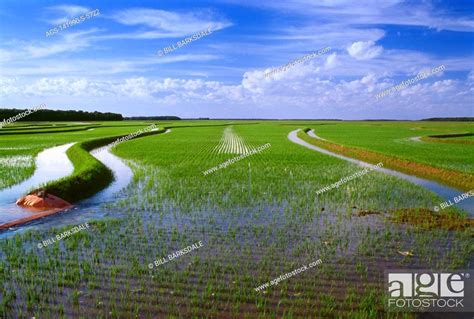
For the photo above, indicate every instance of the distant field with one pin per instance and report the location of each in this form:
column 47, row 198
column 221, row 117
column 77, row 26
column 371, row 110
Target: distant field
column 258, row 218
column 394, row 138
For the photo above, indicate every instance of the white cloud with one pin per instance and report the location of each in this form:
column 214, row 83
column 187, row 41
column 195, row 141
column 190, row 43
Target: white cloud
column 97, row 67
column 8, row 86
column 340, row 84
column 371, row 12
column 331, row 61
column 166, row 24
column 5, row 55
column 470, row 76
column 66, row 12
column 70, row 41
column 364, row 50
column 306, row 94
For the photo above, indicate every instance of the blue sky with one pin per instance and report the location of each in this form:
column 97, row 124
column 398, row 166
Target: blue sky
column 110, row 62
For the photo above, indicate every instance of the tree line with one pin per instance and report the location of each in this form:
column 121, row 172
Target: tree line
column 454, row 119
column 60, row 115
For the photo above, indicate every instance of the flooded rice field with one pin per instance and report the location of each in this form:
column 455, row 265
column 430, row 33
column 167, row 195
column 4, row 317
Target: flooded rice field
column 256, row 220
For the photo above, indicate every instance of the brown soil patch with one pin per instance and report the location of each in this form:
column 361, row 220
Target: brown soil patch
column 444, row 140
column 427, row 219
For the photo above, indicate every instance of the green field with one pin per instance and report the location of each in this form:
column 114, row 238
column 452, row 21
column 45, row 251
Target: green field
column 257, row 218
column 393, row 138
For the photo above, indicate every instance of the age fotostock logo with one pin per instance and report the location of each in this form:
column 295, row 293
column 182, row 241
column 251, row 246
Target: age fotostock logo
column 425, row 290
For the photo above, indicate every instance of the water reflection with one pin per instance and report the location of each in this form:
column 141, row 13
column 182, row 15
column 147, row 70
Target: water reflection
column 122, row 177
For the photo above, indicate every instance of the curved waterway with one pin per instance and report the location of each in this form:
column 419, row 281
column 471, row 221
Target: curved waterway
column 445, row 192
column 312, row 134
column 55, row 161
column 416, row 138
column 122, row 177
column 51, row 164
column 82, row 211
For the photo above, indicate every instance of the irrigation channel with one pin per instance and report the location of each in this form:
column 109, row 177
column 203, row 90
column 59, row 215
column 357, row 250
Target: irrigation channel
column 52, row 164
column 82, row 211
column 447, row 193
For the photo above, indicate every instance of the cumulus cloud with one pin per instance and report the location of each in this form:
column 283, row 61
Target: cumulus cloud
column 361, row 50
column 307, row 94
column 8, row 86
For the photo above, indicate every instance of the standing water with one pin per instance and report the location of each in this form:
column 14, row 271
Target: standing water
column 122, row 177
column 51, row 164
column 445, row 192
